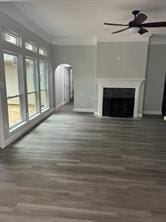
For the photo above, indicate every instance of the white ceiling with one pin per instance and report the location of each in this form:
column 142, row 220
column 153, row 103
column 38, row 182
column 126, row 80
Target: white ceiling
column 83, row 19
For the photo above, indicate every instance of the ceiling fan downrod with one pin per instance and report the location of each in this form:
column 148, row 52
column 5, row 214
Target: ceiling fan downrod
column 135, row 12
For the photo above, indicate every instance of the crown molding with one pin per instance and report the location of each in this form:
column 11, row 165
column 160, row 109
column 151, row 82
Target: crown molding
column 11, row 10
column 65, row 41
column 125, row 38
column 74, row 41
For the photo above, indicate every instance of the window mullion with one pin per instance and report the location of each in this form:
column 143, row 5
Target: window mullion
column 47, row 86
column 5, row 117
column 23, row 88
column 38, row 85
column 43, row 66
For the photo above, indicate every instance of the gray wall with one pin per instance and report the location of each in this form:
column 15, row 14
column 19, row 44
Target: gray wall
column 121, row 60
column 113, row 60
column 156, row 68
column 83, row 62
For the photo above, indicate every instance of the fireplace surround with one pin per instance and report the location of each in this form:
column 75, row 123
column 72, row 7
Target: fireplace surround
column 136, row 84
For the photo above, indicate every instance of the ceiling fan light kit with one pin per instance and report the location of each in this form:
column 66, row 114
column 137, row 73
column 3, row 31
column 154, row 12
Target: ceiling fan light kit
column 137, row 25
column 134, row 30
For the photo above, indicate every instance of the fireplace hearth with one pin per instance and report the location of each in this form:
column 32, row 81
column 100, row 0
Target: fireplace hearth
column 118, row 102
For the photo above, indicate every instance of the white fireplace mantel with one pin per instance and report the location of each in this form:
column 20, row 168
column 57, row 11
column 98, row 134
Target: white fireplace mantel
column 119, row 83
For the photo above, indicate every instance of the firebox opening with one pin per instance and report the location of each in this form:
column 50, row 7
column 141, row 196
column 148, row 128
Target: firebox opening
column 118, row 102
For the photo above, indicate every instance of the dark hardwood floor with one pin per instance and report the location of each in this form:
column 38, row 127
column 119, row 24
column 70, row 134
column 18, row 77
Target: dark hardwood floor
column 78, row 168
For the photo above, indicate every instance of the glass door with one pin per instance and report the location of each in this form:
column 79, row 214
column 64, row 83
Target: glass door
column 11, row 67
column 43, row 71
column 32, row 92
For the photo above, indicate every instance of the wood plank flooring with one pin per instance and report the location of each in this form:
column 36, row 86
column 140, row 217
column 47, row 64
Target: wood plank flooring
column 78, row 168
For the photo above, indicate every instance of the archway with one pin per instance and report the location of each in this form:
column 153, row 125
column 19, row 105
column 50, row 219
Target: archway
column 64, row 87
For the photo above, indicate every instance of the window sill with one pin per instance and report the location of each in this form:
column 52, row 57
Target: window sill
column 11, row 130
column 34, row 116
column 17, row 127
column 45, row 109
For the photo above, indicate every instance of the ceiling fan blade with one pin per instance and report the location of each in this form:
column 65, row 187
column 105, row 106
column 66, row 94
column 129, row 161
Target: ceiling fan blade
column 120, row 30
column 114, row 24
column 142, row 31
column 140, row 18
column 154, row 25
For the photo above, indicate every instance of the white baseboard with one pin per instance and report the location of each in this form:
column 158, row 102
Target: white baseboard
column 139, row 115
column 59, row 105
column 96, row 113
column 84, row 110
column 25, row 128
column 152, row 112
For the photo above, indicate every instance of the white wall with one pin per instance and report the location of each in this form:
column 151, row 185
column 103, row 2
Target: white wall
column 59, row 96
column 59, row 84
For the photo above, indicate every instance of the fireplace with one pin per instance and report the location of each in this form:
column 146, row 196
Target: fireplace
column 118, row 102
column 122, row 97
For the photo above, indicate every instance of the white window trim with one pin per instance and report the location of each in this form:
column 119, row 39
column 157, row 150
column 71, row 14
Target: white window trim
column 13, row 34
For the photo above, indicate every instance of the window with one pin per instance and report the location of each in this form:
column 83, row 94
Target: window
column 43, row 51
column 31, row 46
column 26, row 94
column 43, row 66
column 11, row 37
column 31, row 86
column 12, row 89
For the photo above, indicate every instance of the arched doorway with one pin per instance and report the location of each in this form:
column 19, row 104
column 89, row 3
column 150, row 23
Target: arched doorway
column 64, row 88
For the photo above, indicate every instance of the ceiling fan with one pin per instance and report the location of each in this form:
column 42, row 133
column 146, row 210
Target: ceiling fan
column 138, row 22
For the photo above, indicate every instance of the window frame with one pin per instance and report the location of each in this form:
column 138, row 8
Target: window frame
column 47, row 85
column 34, row 46
column 20, row 88
column 45, row 51
column 36, row 86
column 12, row 34
column 21, row 52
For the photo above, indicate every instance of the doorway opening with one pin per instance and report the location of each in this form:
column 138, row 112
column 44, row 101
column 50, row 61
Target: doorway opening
column 64, row 88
